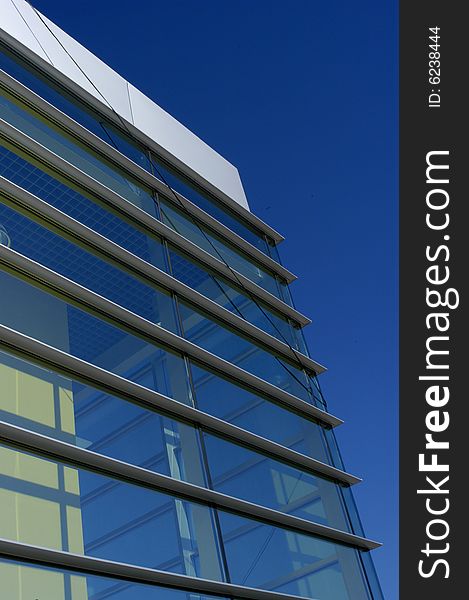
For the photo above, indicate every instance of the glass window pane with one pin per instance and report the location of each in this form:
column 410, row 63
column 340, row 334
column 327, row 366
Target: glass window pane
column 93, row 215
column 238, row 350
column 58, row 254
column 88, row 212
column 194, row 193
column 276, row 559
column 24, row 581
column 285, row 293
column 243, row 407
column 300, row 341
column 54, row 405
column 213, row 244
column 273, row 251
column 239, row 472
column 76, row 154
column 78, row 333
column 206, row 282
column 79, row 511
column 53, row 505
column 334, row 448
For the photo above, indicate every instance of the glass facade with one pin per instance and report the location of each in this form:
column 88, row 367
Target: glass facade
column 56, row 253
column 186, row 269
column 60, row 507
column 56, row 504
column 89, row 418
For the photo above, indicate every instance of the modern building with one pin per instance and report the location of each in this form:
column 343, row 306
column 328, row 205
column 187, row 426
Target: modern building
column 162, row 429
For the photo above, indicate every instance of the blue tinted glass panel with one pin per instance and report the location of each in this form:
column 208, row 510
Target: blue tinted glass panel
column 71, row 151
column 76, row 413
column 212, row 244
column 274, row 253
column 79, row 414
column 21, row 581
column 90, row 514
column 124, row 144
column 246, row 409
column 212, row 207
column 300, row 341
column 236, row 349
column 276, row 559
column 86, row 211
column 334, row 448
column 285, row 294
column 352, row 511
column 45, row 247
column 78, row 333
column 217, row 289
column 239, row 472
column 94, row 216
column 56, row 253
column 85, row 513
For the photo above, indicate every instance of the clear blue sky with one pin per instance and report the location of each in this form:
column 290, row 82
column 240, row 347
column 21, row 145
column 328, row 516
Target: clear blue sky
column 302, row 97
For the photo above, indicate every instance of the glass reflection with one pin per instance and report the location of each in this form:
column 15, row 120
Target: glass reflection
column 81, row 512
column 276, row 559
column 237, row 471
column 52, row 505
column 249, row 410
column 54, row 405
column 23, row 581
column 84, row 336
column 100, row 219
column 184, row 268
column 48, row 403
column 238, row 350
column 87, row 211
column 214, row 245
column 76, row 154
column 66, row 258
column 194, row 193
column 70, row 105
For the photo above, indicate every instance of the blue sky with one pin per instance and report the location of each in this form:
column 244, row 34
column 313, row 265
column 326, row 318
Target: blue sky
column 302, row 97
